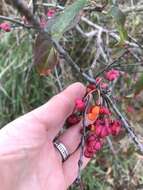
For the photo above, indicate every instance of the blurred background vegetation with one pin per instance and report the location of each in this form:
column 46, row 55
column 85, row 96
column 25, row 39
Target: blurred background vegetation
column 118, row 166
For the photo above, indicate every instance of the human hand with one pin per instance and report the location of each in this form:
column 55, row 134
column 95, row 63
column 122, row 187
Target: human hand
column 28, row 159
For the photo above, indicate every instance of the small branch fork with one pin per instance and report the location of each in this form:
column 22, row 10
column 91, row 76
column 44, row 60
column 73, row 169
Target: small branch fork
column 30, row 17
column 104, row 30
column 103, row 52
column 24, row 10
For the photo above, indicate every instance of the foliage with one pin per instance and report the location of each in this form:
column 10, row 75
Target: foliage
column 20, row 86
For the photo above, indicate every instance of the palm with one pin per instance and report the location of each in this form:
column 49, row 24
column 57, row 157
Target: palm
column 46, row 166
column 30, row 161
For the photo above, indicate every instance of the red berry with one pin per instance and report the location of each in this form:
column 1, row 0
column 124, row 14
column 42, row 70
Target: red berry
column 98, row 80
column 100, row 122
column 108, row 129
column 90, row 87
column 112, row 74
column 104, row 85
column 72, row 120
column 104, row 110
column 92, row 137
column 51, row 13
column 91, row 149
column 80, row 105
column 115, row 127
column 91, row 143
column 88, row 154
column 104, row 132
column 98, row 130
column 98, row 145
column 5, row 26
column 114, row 130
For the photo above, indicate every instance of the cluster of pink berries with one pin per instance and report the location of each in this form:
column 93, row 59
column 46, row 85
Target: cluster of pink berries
column 100, row 124
column 100, row 129
column 5, row 27
column 110, row 75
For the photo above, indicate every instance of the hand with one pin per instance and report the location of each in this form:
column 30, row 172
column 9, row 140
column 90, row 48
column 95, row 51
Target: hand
column 28, row 159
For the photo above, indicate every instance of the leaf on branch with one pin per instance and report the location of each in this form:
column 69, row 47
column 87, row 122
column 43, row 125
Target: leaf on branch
column 120, row 19
column 45, row 56
column 66, row 20
column 138, row 87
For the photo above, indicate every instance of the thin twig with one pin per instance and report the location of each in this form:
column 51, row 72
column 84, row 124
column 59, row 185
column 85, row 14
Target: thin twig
column 58, row 80
column 34, row 6
column 111, row 146
column 24, row 10
column 126, row 124
column 110, row 65
column 82, row 144
column 137, row 8
column 15, row 21
column 50, row 5
column 111, row 33
column 69, row 60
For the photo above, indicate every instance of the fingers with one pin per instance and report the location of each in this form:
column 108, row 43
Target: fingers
column 70, row 167
column 71, row 138
column 54, row 113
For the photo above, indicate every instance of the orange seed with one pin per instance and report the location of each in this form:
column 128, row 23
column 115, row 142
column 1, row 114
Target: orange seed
column 95, row 110
column 91, row 116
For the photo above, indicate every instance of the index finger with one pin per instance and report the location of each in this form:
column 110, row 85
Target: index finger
column 54, row 113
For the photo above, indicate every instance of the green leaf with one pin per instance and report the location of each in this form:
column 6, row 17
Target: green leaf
column 65, row 20
column 120, row 19
column 123, row 33
column 45, row 56
column 138, row 87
